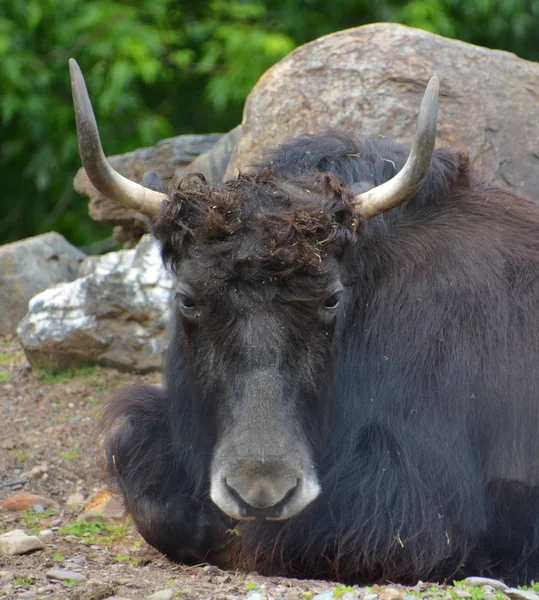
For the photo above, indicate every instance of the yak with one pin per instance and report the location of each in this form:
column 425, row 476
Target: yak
column 351, row 387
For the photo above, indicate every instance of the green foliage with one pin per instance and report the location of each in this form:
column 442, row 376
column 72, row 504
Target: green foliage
column 93, row 532
column 161, row 67
column 340, row 589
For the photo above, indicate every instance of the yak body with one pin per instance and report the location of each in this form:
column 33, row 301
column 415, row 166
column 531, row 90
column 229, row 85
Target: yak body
column 406, row 350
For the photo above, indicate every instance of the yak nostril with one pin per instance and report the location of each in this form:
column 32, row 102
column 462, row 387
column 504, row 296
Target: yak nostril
column 269, row 511
column 261, row 493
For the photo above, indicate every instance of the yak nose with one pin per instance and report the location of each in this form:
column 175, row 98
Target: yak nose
column 261, row 488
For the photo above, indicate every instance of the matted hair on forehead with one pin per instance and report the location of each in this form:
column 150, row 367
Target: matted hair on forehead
column 282, row 227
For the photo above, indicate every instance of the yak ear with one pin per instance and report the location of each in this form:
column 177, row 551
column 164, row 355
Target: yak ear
column 411, row 177
column 103, row 177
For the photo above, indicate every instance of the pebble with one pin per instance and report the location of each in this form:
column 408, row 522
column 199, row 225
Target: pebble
column 517, row 594
column 161, row 595
column 28, row 595
column 17, row 542
column 46, row 533
column 390, row 594
column 459, row 593
column 75, row 499
column 38, row 470
column 481, row 581
column 63, row 575
column 255, row 595
column 325, row 596
column 370, row 596
column 103, row 506
column 26, row 501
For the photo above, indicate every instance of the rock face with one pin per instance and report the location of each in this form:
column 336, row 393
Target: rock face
column 115, row 314
column 213, row 164
column 370, row 81
column 30, row 266
column 168, row 158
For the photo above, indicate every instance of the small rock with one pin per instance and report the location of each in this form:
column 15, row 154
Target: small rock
column 103, row 506
column 161, row 595
column 8, row 445
column 324, row 596
column 390, row 594
column 62, row 575
column 517, row 594
column 460, row 593
column 93, row 590
column 46, row 533
column 26, row 501
column 370, row 596
column 38, row 471
column 75, row 499
column 29, row 595
column 481, row 581
column 17, row 542
column 255, row 595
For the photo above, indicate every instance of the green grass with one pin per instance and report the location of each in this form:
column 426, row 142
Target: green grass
column 70, row 583
column 94, row 531
column 53, row 377
column 5, row 357
column 33, row 520
column 251, row 585
column 340, row 589
column 533, row 587
column 58, row 557
column 72, row 455
column 24, row 582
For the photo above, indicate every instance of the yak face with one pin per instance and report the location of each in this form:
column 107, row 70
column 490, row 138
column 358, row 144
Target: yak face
column 260, row 294
column 259, row 297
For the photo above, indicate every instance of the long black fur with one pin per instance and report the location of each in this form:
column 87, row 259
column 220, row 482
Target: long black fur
column 426, row 433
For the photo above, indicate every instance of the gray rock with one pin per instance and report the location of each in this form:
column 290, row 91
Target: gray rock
column 482, row 581
column 18, row 542
column 115, row 315
column 161, row 595
column 63, row 575
column 168, row 158
column 324, row 596
column 46, row 533
column 370, row 80
column 213, row 163
column 30, row 266
column 517, row 594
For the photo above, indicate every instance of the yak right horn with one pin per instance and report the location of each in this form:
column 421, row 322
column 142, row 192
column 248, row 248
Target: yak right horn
column 103, row 177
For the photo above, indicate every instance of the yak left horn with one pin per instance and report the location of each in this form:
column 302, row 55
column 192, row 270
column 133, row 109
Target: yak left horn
column 410, row 178
column 103, row 177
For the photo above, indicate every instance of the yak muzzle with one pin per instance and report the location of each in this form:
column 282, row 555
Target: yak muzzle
column 259, row 489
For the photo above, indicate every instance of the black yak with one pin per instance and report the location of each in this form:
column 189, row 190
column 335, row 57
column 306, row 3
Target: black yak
column 352, row 384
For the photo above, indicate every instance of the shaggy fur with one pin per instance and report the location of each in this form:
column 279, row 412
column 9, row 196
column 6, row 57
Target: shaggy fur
column 419, row 401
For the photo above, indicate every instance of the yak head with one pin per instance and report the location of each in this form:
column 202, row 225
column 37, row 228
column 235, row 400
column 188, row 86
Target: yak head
column 260, row 299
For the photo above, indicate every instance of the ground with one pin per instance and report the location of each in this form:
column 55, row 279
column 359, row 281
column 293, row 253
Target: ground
column 48, row 447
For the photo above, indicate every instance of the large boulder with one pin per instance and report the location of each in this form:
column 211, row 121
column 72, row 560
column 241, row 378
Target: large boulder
column 168, row 158
column 370, row 80
column 114, row 315
column 30, row 266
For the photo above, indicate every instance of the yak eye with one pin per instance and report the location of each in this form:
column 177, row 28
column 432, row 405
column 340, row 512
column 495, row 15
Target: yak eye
column 331, row 302
column 187, row 303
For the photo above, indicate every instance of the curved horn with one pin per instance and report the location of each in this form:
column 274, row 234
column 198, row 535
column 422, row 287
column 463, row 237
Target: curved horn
column 104, row 178
column 410, row 178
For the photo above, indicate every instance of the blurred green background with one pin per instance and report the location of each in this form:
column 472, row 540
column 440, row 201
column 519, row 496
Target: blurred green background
column 157, row 68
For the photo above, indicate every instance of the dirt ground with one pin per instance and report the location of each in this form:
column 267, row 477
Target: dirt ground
column 48, row 447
